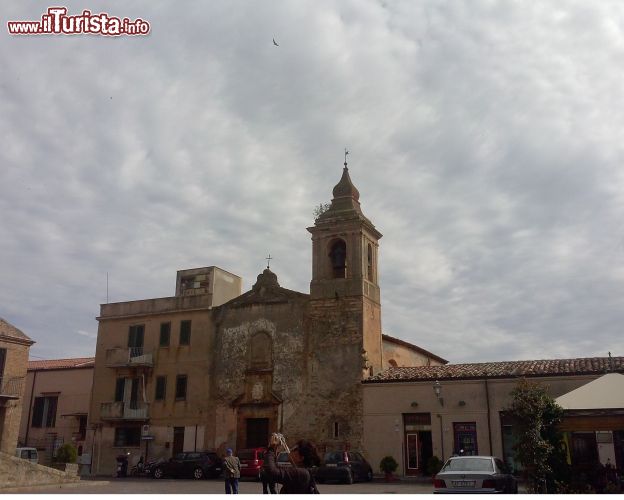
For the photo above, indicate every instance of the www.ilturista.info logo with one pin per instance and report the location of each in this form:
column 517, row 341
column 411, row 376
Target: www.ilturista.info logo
column 57, row 22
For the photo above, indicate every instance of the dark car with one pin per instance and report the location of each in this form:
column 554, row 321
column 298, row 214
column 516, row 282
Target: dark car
column 344, row 466
column 251, row 460
column 475, row 474
column 195, row 464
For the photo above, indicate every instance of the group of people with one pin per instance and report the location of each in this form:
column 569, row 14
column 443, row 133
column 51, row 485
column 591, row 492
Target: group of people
column 296, row 479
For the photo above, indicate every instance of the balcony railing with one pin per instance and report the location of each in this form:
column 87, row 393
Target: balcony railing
column 124, row 410
column 130, row 356
column 11, row 387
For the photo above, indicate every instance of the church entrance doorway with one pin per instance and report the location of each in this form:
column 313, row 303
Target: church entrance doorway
column 257, row 432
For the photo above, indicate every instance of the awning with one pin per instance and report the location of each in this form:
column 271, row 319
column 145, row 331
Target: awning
column 606, row 392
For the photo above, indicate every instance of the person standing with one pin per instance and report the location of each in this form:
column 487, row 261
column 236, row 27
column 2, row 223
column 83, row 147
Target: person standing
column 231, row 472
column 296, row 479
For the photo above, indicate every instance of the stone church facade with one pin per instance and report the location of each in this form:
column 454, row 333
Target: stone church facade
column 212, row 368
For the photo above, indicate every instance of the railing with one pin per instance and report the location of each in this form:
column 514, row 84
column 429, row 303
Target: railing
column 131, row 356
column 11, row 387
column 123, row 410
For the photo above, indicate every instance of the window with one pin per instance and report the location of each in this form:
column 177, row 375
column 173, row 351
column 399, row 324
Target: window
column 120, row 388
column 465, row 434
column 181, row 387
column 82, row 428
column 127, row 436
column 185, row 332
column 135, row 335
column 165, row 334
column 338, row 257
column 2, row 362
column 44, row 411
column 336, row 430
column 161, row 388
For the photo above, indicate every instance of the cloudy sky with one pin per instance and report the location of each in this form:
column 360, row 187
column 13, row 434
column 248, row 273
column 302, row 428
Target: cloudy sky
column 485, row 140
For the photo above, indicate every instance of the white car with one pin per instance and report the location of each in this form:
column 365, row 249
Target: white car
column 29, row 454
column 475, row 474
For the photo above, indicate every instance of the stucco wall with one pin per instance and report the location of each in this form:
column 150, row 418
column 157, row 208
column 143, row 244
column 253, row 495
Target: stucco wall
column 385, row 404
column 16, row 363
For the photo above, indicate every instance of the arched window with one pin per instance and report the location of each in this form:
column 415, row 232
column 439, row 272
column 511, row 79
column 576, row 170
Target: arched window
column 338, row 258
column 260, row 351
column 370, row 263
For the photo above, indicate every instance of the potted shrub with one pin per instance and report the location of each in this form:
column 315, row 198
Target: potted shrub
column 67, row 454
column 388, row 466
column 434, row 464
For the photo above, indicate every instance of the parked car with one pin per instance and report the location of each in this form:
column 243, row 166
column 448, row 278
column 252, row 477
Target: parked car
column 251, row 460
column 30, row 454
column 344, row 466
column 195, row 464
column 283, row 460
column 475, row 474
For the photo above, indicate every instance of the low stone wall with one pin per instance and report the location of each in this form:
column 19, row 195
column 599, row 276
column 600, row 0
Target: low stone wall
column 15, row 472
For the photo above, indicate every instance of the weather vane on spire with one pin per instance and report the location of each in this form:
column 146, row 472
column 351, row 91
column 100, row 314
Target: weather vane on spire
column 268, row 259
column 346, row 153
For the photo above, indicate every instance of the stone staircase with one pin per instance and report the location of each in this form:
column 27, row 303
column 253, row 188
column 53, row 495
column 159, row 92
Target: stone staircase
column 16, row 472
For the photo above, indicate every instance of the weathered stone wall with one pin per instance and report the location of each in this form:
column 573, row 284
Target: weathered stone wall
column 15, row 472
column 16, row 364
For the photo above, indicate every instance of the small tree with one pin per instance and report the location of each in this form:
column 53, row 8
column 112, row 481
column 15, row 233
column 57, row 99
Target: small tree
column 434, row 464
column 388, row 465
column 320, row 209
column 67, row 454
column 536, row 415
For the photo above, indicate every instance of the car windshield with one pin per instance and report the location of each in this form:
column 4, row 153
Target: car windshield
column 472, row 464
column 334, row 457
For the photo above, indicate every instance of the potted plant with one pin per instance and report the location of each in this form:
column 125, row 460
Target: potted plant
column 67, row 454
column 434, row 464
column 388, row 466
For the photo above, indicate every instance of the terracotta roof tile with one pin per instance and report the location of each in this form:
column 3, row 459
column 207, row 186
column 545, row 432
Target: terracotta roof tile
column 501, row 369
column 57, row 364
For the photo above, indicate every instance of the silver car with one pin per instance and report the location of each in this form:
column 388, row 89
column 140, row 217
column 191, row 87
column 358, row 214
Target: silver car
column 475, row 474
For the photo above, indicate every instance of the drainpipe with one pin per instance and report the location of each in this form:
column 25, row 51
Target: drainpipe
column 487, row 400
column 32, row 393
column 441, row 436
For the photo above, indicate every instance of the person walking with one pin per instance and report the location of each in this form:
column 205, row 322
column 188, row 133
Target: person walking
column 231, row 472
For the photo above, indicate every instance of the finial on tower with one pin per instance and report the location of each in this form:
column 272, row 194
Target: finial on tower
column 268, row 259
column 346, row 153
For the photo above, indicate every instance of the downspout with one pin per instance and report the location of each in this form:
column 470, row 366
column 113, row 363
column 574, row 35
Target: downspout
column 32, row 393
column 487, row 400
column 441, row 436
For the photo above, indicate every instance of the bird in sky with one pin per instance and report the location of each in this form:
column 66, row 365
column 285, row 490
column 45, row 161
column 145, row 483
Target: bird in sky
column 275, row 43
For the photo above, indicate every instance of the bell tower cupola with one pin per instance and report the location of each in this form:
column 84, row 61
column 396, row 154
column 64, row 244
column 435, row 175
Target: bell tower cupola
column 344, row 247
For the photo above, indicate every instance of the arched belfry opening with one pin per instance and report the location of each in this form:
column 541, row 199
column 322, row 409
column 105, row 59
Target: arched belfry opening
column 338, row 259
column 370, row 270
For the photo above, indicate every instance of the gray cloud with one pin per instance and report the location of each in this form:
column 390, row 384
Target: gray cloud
column 484, row 140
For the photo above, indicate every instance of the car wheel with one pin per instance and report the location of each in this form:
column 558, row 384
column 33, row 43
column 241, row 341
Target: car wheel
column 369, row 475
column 158, row 473
column 198, row 473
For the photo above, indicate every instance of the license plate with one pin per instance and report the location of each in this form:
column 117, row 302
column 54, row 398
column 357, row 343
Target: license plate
column 463, row 484
column 243, row 465
column 331, row 465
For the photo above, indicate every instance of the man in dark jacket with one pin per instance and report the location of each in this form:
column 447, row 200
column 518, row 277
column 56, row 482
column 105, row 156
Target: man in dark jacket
column 231, row 472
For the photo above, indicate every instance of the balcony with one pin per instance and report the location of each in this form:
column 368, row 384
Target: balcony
column 124, row 410
column 130, row 356
column 11, row 387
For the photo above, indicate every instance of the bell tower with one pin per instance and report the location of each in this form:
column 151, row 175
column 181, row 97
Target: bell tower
column 345, row 266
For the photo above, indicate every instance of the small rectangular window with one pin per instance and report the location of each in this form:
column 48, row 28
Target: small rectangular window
column 165, row 334
column 181, row 387
column 161, row 388
column 44, row 411
column 336, row 429
column 127, row 436
column 185, row 332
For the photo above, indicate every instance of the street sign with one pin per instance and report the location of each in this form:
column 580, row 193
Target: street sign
column 147, row 438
